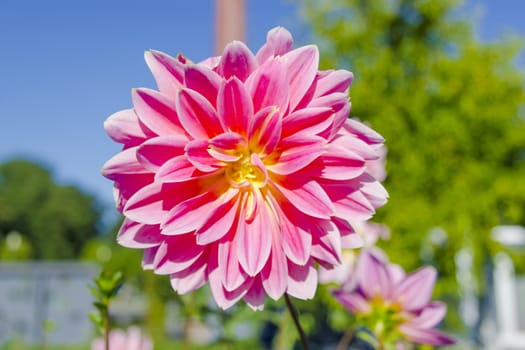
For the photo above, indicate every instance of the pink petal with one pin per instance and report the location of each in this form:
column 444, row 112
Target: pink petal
column 337, row 164
column 190, row 279
column 302, row 280
column 373, row 191
column 176, row 253
column 363, row 132
column 431, row 315
column 167, row 71
column 178, row 169
column 275, row 273
column 426, row 336
column 135, row 235
column 227, row 147
column 234, row 106
column 148, row 257
column 197, row 114
column 191, row 214
column 326, row 243
column 302, row 68
column 157, row 112
column 309, row 121
column 373, row 276
column 255, row 296
column 237, row 60
column 203, row 80
column 124, row 127
column 348, row 201
column 254, row 239
column 297, row 152
column 153, row 153
column 265, row 130
column 223, row 297
column 221, row 219
column 307, row 196
column 334, row 81
column 197, row 152
column 296, row 241
column 396, row 272
column 232, row 275
column 123, row 163
column 353, row 144
column 278, row 42
column 268, row 86
column 415, row 291
column 353, row 301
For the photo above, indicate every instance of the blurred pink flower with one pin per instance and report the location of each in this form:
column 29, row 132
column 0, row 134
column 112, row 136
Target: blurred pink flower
column 243, row 170
column 132, row 339
column 394, row 306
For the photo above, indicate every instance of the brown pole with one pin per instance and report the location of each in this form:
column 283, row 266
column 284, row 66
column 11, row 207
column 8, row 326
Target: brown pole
column 229, row 22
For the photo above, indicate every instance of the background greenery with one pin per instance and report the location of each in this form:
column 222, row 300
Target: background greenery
column 452, row 110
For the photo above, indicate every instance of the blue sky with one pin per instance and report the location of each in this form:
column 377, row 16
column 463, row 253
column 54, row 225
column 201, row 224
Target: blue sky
column 65, row 66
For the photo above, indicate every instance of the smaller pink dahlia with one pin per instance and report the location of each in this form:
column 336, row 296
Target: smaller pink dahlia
column 243, row 170
column 394, row 306
column 130, row 339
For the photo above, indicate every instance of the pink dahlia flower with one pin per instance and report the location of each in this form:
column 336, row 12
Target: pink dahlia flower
column 132, row 339
column 394, row 306
column 242, row 170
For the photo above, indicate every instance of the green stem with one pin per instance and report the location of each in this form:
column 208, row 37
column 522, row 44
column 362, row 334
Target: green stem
column 106, row 328
column 345, row 340
column 295, row 317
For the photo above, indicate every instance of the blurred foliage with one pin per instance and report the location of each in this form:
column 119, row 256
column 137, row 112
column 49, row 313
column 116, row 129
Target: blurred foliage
column 56, row 221
column 452, row 111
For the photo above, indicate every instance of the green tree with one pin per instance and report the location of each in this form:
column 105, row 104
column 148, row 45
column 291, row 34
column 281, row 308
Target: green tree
column 55, row 220
column 452, row 111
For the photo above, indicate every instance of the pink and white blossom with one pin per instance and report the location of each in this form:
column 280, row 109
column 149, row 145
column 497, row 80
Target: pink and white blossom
column 395, row 306
column 131, row 339
column 243, row 170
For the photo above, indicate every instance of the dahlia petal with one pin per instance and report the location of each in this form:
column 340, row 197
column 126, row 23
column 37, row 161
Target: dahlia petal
column 375, row 193
column 127, row 185
column 338, row 164
column 197, row 114
column 265, row 130
column 352, row 143
column 326, row 244
column 302, row 66
column 335, row 81
column 237, row 60
column 396, row 272
column 167, row 71
column 211, row 62
column 258, row 163
column 309, row 121
column 234, row 106
column 254, row 239
column 176, row 253
column 224, row 298
column 309, row 197
column 415, row 291
column 335, row 101
column 232, row 275
column 157, row 112
column 352, row 301
column 297, row 153
column 426, row 336
column 221, row 219
column 178, row 169
column 352, row 241
column 189, row 215
column 268, row 85
column 148, row 257
column 375, row 280
column 203, row 80
column 225, row 147
column 363, row 132
column 296, row 242
column 348, row 202
column 156, row 151
column 255, row 296
column 198, row 154
column 278, row 42
column 136, row 235
column 302, row 280
column 123, row 163
column 124, row 127
column 340, row 116
column 190, row 279
column 430, row 316
column 275, row 272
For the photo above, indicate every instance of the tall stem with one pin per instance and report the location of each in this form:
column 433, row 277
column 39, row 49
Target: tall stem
column 295, row 318
column 106, row 328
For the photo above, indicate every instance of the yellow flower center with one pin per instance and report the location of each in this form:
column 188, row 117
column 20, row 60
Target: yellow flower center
column 243, row 173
